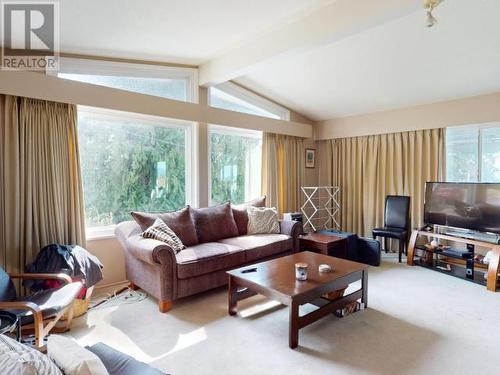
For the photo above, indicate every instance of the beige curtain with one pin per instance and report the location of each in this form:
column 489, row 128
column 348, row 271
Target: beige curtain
column 367, row 169
column 282, row 171
column 41, row 201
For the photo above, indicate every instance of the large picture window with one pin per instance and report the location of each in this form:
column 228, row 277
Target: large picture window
column 236, row 98
column 235, row 160
column 473, row 154
column 163, row 81
column 131, row 162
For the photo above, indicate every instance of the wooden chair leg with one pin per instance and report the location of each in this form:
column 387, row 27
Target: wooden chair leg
column 39, row 332
column 165, row 306
column 69, row 319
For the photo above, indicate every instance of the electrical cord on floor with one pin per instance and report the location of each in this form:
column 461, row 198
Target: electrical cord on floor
column 124, row 296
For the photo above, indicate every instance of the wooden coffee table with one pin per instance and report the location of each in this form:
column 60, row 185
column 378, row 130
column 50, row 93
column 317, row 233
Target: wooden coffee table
column 275, row 279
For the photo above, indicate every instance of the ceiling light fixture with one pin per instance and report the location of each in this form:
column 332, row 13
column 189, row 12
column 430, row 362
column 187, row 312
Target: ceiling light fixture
column 430, row 5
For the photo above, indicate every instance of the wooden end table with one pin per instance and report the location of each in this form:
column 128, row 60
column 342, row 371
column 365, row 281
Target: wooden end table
column 275, row 279
column 324, row 244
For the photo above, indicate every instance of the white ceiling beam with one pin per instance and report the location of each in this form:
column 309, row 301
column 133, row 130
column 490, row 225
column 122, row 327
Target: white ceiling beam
column 325, row 25
column 41, row 86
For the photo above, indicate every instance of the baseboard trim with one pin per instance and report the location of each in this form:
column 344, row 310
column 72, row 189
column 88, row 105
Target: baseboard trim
column 110, row 285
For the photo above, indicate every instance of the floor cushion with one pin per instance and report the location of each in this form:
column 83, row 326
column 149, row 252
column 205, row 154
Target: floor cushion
column 118, row 363
column 259, row 246
column 208, row 257
column 72, row 358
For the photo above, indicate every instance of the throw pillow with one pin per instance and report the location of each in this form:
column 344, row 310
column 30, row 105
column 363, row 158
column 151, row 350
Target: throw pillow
column 16, row 358
column 240, row 213
column 214, row 223
column 160, row 231
column 118, row 363
column 262, row 220
column 180, row 221
column 72, row 358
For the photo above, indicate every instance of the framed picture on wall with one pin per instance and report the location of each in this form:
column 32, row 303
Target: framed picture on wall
column 310, row 157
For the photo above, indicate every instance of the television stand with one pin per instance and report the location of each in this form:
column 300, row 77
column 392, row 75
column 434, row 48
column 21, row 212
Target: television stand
column 492, row 269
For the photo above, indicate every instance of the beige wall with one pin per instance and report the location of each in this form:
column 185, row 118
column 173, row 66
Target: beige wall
column 110, row 253
column 473, row 110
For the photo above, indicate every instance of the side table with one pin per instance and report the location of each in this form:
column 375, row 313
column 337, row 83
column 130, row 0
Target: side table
column 324, row 244
column 9, row 322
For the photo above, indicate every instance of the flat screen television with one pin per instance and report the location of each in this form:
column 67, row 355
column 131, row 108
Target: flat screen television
column 472, row 206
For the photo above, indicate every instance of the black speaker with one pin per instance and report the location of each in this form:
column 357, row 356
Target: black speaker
column 469, row 270
column 295, row 216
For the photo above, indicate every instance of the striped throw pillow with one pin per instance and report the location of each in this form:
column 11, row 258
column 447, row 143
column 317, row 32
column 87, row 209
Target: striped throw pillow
column 262, row 220
column 16, row 358
column 161, row 232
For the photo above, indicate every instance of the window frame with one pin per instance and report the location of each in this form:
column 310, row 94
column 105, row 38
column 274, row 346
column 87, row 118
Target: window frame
column 108, row 231
column 480, row 128
column 252, row 98
column 212, row 128
column 71, row 65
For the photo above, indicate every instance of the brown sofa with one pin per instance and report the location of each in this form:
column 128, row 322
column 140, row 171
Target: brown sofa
column 216, row 241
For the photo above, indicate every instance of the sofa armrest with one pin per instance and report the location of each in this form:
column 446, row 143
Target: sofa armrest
column 151, row 251
column 293, row 229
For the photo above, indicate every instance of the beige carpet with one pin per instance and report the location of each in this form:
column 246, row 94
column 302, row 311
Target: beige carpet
column 418, row 322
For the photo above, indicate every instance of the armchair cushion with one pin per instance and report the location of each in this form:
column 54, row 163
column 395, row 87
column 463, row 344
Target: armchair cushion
column 7, row 289
column 50, row 301
column 180, row 221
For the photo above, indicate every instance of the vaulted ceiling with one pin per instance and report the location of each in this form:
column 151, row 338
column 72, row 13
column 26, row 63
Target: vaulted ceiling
column 323, row 58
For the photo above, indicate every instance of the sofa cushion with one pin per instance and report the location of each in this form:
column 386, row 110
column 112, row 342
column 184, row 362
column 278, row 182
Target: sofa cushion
column 263, row 220
column 214, row 223
column 259, row 246
column 161, row 232
column 208, row 257
column 180, row 221
column 240, row 213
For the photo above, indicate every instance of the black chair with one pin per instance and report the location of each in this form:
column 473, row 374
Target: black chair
column 40, row 311
column 396, row 222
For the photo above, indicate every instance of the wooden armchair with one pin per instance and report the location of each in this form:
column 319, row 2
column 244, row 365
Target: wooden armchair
column 42, row 310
